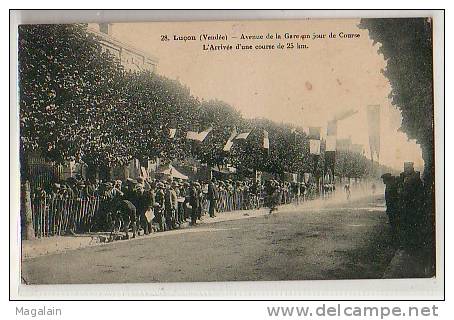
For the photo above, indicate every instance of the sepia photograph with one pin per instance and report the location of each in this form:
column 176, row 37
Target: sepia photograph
column 234, row 150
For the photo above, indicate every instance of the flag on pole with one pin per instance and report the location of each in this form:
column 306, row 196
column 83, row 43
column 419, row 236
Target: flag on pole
column 314, row 133
column 228, row 145
column 373, row 119
column 266, row 140
column 330, row 149
column 314, row 146
column 331, row 129
column 192, row 135
column 198, row 136
column 345, row 114
column 314, row 140
column 172, row 133
column 243, row 135
column 330, row 143
column 203, row 134
column 330, row 163
column 343, row 144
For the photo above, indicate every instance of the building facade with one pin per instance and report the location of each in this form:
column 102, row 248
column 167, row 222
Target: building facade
column 131, row 58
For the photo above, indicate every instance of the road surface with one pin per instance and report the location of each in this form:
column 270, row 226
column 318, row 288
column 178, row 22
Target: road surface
column 338, row 240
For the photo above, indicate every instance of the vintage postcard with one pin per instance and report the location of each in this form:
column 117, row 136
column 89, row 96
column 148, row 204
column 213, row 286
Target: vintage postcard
column 239, row 150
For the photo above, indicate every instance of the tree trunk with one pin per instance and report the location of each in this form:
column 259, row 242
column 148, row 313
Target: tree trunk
column 28, row 232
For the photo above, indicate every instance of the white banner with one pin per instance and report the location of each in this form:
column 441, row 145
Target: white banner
column 192, row 135
column 203, row 134
column 266, row 141
column 314, row 146
column 228, row 145
column 330, row 143
column 242, row 135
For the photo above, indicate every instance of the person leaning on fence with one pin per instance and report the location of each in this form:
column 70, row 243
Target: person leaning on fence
column 129, row 216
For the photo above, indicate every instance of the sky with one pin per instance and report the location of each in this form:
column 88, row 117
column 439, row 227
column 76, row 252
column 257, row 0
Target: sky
column 305, row 87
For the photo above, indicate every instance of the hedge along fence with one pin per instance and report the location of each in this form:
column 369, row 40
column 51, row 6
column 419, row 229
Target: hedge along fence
column 43, row 173
column 52, row 216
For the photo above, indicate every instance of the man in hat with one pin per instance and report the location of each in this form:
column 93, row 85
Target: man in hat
column 180, row 200
column 118, row 184
column 212, row 196
column 140, row 201
column 194, row 201
column 229, row 189
column 128, row 212
column 221, row 197
column 149, row 199
column 159, row 206
column 201, row 199
column 128, row 189
column 111, row 197
column 171, row 205
column 412, row 206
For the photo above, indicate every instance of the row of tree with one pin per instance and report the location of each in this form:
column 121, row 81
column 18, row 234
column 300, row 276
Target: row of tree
column 77, row 102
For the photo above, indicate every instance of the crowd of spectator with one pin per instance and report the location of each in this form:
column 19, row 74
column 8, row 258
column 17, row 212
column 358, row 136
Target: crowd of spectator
column 150, row 205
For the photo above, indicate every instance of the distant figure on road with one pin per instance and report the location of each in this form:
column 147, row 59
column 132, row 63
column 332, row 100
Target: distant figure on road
column 347, row 191
column 272, row 194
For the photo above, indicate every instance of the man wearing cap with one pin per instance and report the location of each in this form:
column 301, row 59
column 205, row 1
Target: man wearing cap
column 212, row 197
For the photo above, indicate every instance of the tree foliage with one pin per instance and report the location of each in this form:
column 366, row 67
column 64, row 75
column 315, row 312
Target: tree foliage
column 406, row 44
column 77, row 102
column 69, row 94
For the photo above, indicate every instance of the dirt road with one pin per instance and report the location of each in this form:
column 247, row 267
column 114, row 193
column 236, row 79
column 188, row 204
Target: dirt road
column 341, row 240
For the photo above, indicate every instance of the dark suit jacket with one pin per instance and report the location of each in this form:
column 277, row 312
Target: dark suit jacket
column 212, row 191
